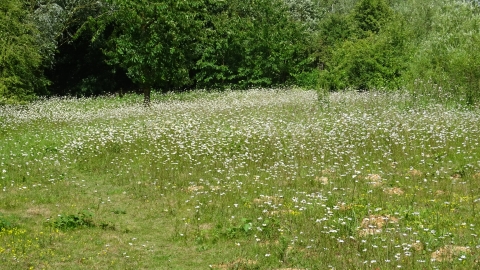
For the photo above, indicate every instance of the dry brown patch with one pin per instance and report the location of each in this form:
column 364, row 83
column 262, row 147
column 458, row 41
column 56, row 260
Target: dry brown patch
column 456, row 176
column 448, row 252
column 205, row 226
column 415, row 173
column 439, row 192
column 394, row 191
column 237, row 264
column 365, row 232
column 375, row 179
column 343, row 206
column 476, row 175
column 328, row 171
column 322, row 180
column 194, row 188
column 38, row 211
column 267, row 199
column 282, row 212
column 378, row 221
column 418, row 246
column 374, row 224
column 290, row 268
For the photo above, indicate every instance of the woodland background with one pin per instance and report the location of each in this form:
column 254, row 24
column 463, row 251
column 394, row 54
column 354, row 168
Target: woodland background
column 90, row 47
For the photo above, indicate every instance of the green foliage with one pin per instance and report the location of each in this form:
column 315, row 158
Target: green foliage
column 267, row 228
column 243, row 229
column 81, row 70
column 368, row 52
column 446, row 62
column 74, row 65
column 336, row 28
column 307, row 12
column 371, row 15
column 57, row 22
column 5, row 222
column 308, row 80
column 89, row 47
column 19, row 54
column 154, row 41
column 74, row 221
column 251, row 43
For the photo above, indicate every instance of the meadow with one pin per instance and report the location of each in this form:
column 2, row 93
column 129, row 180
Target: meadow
column 257, row 179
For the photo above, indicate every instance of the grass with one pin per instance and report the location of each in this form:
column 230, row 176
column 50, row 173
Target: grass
column 261, row 179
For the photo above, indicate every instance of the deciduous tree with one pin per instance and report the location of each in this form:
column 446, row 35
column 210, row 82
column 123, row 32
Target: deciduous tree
column 20, row 56
column 154, row 41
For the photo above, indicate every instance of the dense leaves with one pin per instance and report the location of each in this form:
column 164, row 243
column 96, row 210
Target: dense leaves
column 20, row 56
column 371, row 15
column 446, row 64
column 90, row 47
column 154, row 41
column 251, row 43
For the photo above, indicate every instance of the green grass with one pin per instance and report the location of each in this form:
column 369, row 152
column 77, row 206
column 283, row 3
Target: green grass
column 260, row 179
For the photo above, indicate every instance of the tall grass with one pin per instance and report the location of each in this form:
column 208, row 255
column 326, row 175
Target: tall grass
column 261, row 179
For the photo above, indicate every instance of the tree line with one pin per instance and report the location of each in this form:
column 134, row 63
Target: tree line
column 96, row 47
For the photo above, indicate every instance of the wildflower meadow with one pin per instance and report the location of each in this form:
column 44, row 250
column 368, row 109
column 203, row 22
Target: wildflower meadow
column 256, row 179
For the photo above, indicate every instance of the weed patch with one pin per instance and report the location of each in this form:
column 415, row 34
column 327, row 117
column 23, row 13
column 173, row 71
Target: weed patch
column 83, row 219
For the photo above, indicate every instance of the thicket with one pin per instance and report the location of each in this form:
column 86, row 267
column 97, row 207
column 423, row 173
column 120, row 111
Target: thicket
column 20, row 59
column 90, row 47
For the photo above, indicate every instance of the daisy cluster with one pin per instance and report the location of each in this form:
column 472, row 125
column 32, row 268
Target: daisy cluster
column 359, row 179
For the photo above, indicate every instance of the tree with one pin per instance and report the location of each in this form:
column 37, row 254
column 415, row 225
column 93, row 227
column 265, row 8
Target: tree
column 71, row 62
column 153, row 41
column 371, row 15
column 446, row 62
column 252, row 43
column 20, row 56
column 59, row 20
column 369, row 53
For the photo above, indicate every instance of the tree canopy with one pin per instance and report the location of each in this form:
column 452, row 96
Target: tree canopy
column 95, row 47
column 20, row 56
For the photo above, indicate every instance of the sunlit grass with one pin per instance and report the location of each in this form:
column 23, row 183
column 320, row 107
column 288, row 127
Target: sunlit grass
column 261, row 179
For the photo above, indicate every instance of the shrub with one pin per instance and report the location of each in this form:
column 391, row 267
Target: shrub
column 19, row 54
column 376, row 61
column 73, row 221
column 447, row 60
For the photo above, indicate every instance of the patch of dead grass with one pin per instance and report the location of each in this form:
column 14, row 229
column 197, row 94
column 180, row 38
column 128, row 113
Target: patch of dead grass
column 322, row 180
column 237, row 264
column 38, row 211
column 375, row 180
column 415, row 173
column 267, row 200
column 282, row 212
column 374, row 224
column 394, row 191
column 418, row 246
column 191, row 189
column 449, row 252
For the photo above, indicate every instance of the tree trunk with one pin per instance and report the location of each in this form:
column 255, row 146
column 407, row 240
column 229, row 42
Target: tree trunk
column 146, row 96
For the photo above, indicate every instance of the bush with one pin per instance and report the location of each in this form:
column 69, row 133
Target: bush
column 5, row 222
column 376, row 61
column 252, row 43
column 20, row 58
column 446, row 65
column 68, row 222
column 371, row 15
